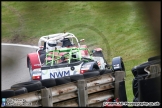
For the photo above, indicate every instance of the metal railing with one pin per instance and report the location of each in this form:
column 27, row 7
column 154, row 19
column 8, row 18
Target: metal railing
column 86, row 92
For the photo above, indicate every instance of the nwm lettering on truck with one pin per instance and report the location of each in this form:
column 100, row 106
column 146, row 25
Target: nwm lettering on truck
column 59, row 74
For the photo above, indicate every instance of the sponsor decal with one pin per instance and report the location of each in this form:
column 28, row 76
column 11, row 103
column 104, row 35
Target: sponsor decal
column 59, row 74
column 116, row 66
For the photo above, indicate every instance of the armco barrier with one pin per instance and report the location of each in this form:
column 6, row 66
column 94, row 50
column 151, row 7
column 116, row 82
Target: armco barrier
column 85, row 92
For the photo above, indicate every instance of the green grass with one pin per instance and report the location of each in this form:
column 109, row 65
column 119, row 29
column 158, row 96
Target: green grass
column 119, row 28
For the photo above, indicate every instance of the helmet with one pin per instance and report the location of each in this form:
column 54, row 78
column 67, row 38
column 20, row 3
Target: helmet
column 51, row 45
column 59, row 45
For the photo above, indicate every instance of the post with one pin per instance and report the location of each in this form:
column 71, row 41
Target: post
column 46, row 95
column 119, row 76
column 82, row 93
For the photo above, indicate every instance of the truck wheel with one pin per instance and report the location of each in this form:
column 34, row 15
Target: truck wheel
column 76, row 77
column 105, row 71
column 48, row 83
column 30, row 85
column 19, row 91
column 91, row 74
column 62, row 80
column 7, row 93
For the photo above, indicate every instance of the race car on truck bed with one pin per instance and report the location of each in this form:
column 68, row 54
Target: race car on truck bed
column 62, row 61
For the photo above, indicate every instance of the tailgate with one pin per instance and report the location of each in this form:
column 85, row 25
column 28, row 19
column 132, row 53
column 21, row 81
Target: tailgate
column 61, row 70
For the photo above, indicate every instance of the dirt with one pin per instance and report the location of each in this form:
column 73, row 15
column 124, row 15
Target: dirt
column 17, row 39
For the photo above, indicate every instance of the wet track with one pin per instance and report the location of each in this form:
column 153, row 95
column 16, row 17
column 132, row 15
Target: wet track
column 13, row 64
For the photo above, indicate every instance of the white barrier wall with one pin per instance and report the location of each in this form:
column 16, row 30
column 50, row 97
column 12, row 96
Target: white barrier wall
column 13, row 64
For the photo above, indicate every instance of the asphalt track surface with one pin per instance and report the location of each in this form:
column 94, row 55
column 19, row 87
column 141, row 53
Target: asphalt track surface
column 14, row 64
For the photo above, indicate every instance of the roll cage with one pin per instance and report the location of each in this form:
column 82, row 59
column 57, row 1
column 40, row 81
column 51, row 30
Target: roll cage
column 57, row 37
column 67, row 55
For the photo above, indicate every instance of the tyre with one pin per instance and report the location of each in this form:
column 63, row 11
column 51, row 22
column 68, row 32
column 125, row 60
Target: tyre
column 91, row 74
column 105, row 71
column 76, row 77
column 62, row 80
column 93, row 70
column 122, row 66
column 135, row 86
column 19, row 91
column 7, row 93
column 30, row 86
column 48, row 83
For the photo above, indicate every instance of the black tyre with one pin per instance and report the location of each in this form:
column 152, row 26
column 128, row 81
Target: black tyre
column 48, row 83
column 91, row 74
column 122, row 66
column 76, row 77
column 30, row 86
column 105, row 71
column 93, row 70
column 19, row 91
column 7, row 93
column 135, row 86
column 62, row 80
